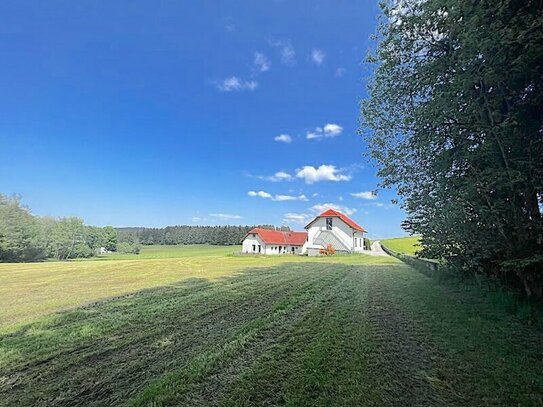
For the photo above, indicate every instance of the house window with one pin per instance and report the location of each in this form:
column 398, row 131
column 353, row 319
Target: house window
column 254, row 248
column 328, row 223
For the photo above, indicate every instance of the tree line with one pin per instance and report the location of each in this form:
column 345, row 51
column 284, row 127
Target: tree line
column 26, row 237
column 183, row 234
column 454, row 120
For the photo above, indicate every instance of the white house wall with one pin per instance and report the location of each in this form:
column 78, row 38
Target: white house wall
column 249, row 241
column 342, row 231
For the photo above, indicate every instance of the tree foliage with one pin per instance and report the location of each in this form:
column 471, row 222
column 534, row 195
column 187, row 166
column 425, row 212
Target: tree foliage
column 25, row 237
column 454, row 120
column 21, row 237
column 173, row 235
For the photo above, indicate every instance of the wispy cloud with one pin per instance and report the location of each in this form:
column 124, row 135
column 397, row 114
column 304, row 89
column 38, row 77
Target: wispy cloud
column 277, row 177
column 286, row 51
column 261, row 194
column 283, row 138
column 324, row 172
column 319, row 208
column 290, row 198
column 370, row 195
column 235, row 84
column 277, row 197
column 261, row 62
column 317, row 56
column 224, row 216
column 329, row 130
column 382, row 205
column 297, row 218
column 340, row 72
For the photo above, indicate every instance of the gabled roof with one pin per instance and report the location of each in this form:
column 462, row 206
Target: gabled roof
column 331, row 213
column 270, row 236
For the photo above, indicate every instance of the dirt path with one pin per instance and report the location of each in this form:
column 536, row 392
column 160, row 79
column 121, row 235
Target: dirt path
column 377, row 249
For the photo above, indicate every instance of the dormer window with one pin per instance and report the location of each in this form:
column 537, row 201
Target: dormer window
column 329, row 223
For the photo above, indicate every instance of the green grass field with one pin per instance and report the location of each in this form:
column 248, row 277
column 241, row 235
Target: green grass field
column 197, row 326
column 407, row 245
column 168, row 252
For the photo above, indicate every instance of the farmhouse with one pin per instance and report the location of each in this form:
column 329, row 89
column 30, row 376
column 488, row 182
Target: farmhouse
column 267, row 241
column 333, row 227
column 329, row 228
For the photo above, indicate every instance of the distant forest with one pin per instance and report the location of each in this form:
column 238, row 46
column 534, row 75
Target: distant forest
column 184, row 234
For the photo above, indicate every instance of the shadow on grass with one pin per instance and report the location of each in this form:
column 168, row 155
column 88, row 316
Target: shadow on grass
column 104, row 352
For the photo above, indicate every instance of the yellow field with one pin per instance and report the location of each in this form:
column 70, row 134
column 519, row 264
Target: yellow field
column 31, row 290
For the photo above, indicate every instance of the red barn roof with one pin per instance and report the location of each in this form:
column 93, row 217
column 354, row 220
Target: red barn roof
column 270, row 236
column 331, row 213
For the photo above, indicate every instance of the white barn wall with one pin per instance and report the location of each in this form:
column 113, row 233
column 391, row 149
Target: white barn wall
column 250, row 240
column 340, row 229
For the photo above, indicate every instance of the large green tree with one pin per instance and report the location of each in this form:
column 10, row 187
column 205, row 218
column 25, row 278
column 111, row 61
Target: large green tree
column 21, row 235
column 454, row 120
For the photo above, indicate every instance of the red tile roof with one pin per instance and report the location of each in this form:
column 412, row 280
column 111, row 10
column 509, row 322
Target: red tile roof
column 331, row 213
column 269, row 236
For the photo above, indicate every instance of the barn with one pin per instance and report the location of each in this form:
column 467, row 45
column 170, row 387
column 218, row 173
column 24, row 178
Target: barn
column 268, row 241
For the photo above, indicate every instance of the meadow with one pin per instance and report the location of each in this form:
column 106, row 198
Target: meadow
column 200, row 326
column 406, row 245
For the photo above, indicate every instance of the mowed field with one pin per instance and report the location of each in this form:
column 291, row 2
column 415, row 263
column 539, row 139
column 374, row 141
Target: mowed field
column 195, row 326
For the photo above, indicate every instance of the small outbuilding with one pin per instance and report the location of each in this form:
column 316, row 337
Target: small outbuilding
column 269, row 241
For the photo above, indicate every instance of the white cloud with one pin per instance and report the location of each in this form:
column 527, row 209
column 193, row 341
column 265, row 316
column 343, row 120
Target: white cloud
column 310, row 135
column 261, row 62
column 234, row 83
column 301, row 197
column 224, row 216
column 286, row 51
column 364, row 195
column 324, row 172
column 332, row 130
column 299, row 218
column 317, row 56
column 278, row 176
column 277, row 197
column 319, row 208
column 329, row 130
column 339, row 72
column 261, row 194
column 283, row 138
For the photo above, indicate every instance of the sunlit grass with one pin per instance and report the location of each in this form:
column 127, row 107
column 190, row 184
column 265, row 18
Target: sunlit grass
column 407, row 245
column 250, row 331
column 31, row 290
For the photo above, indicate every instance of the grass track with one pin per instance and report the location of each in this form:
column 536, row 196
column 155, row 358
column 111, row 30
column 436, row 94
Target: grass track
column 293, row 333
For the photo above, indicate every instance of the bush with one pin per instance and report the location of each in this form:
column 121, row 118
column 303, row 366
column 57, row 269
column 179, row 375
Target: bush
column 81, row 250
column 127, row 248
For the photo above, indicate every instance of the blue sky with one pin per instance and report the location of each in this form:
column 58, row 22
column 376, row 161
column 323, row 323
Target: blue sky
column 155, row 113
